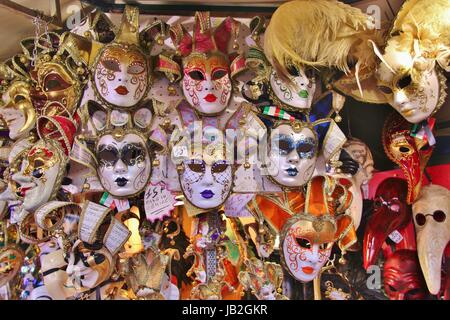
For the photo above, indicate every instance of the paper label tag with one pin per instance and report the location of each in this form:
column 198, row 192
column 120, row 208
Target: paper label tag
column 116, row 236
column 159, row 201
column 91, row 218
column 396, row 236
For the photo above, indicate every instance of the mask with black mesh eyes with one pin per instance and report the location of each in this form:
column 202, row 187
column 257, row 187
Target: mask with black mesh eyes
column 305, row 146
column 197, row 169
column 130, row 154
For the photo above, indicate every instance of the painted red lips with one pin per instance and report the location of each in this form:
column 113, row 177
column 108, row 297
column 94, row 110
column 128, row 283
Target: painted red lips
column 123, row 91
column 210, row 98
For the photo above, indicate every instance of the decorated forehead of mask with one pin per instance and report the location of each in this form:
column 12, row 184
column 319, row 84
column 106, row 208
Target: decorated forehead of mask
column 121, row 71
column 410, row 153
column 431, row 219
column 402, row 276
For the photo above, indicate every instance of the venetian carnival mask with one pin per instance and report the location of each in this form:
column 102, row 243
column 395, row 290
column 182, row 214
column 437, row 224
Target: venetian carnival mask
column 39, row 173
column 308, row 237
column 206, row 178
column 124, row 163
column 293, row 151
column 410, row 74
column 360, row 152
column 402, row 277
column 18, row 111
column 207, row 69
column 391, row 212
column 297, row 91
column 410, row 153
column 432, row 225
column 121, row 75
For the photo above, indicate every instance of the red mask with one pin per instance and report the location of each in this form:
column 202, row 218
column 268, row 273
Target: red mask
column 403, row 279
column 409, row 153
column 391, row 212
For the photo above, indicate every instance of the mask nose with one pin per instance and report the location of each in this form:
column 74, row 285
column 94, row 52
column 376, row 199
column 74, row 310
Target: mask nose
column 293, row 157
column 120, row 167
column 208, row 179
column 400, row 98
column 314, row 257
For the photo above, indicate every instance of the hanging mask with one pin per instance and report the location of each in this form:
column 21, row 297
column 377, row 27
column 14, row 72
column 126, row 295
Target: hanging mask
column 124, row 146
column 60, row 75
column 432, row 225
column 307, row 238
column 206, row 178
column 410, row 74
column 17, row 110
column 121, row 75
column 402, row 277
column 293, row 153
column 207, row 70
column 391, row 212
column 409, row 153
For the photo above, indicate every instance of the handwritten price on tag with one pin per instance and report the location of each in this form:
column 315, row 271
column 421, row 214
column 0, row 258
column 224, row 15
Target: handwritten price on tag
column 158, row 202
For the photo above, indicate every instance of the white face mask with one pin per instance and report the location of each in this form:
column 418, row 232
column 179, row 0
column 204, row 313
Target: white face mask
column 207, row 84
column 15, row 120
column 414, row 99
column 37, row 177
column 121, row 76
column 299, row 93
column 124, row 166
column 432, row 223
column 204, row 185
column 303, row 258
column 294, row 154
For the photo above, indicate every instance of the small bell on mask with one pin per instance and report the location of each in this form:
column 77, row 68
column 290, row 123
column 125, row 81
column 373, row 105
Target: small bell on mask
column 171, row 89
column 342, row 259
column 156, row 163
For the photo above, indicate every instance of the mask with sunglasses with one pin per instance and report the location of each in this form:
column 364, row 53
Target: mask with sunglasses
column 410, row 75
column 206, row 178
column 308, row 237
column 293, row 153
column 432, row 225
column 391, row 212
column 403, row 278
column 409, row 153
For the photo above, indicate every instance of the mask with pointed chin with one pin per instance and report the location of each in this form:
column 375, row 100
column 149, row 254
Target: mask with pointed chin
column 207, row 83
column 124, row 164
column 121, row 75
column 409, row 153
column 391, row 212
column 402, row 276
column 432, row 226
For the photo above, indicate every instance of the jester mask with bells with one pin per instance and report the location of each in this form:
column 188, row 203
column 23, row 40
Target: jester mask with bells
column 206, row 174
column 317, row 34
column 411, row 154
column 264, row 279
column 121, row 72
column 403, row 278
column 207, row 69
column 308, row 237
column 432, row 225
column 410, row 72
column 391, row 212
column 122, row 147
column 16, row 108
column 38, row 170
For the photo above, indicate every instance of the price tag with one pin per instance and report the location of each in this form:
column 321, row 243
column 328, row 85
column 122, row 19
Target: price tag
column 158, row 201
column 396, row 236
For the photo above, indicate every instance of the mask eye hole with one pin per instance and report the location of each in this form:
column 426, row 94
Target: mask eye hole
column 38, row 173
column 385, row 90
column 293, row 71
column 18, row 98
column 439, row 216
column 414, row 292
column 53, row 82
column 136, row 68
column 305, row 147
column 218, row 74
column 404, row 82
column 283, row 144
column 304, row 243
column 420, row 219
column 393, row 289
column 131, row 154
column 218, row 167
column 404, row 149
column 111, row 65
column 324, row 246
column 197, row 166
column 196, row 75
column 108, row 155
